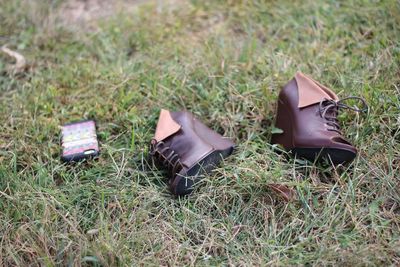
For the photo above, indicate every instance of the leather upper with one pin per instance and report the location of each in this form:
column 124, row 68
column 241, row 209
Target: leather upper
column 188, row 137
column 186, row 142
column 300, row 98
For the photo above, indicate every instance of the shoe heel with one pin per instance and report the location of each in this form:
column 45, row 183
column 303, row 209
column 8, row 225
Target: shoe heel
column 283, row 122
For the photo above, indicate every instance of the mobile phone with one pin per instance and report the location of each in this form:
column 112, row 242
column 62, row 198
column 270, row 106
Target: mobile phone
column 79, row 141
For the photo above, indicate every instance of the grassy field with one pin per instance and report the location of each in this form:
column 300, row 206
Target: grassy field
column 225, row 61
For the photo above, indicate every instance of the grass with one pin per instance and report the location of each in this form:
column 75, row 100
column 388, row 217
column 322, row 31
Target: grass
column 225, row 61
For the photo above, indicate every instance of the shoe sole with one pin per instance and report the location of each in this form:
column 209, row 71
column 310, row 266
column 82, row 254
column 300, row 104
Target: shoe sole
column 183, row 185
column 336, row 155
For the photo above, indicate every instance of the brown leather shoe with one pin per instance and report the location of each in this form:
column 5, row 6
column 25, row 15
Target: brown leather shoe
column 307, row 114
column 187, row 148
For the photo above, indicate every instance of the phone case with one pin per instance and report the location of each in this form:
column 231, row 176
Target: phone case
column 79, row 141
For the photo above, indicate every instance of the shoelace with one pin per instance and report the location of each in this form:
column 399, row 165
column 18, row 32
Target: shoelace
column 328, row 109
column 166, row 156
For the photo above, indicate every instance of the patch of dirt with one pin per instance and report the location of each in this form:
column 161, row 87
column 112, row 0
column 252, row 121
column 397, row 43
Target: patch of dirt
column 81, row 12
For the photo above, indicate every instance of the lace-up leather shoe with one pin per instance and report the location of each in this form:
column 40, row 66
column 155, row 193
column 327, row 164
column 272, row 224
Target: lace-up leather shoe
column 187, row 148
column 307, row 114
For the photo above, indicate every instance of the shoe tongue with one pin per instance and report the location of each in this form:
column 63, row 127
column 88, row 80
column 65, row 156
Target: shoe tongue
column 166, row 126
column 312, row 92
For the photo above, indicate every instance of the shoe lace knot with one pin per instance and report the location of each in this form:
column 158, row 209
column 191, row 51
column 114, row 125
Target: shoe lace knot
column 329, row 109
column 166, row 156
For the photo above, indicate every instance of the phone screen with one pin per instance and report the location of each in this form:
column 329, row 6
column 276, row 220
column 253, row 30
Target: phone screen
column 79, row 141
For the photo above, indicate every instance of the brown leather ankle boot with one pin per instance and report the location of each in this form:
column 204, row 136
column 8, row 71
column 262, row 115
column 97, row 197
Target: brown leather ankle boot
column 187, row 148
column 307, row 114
